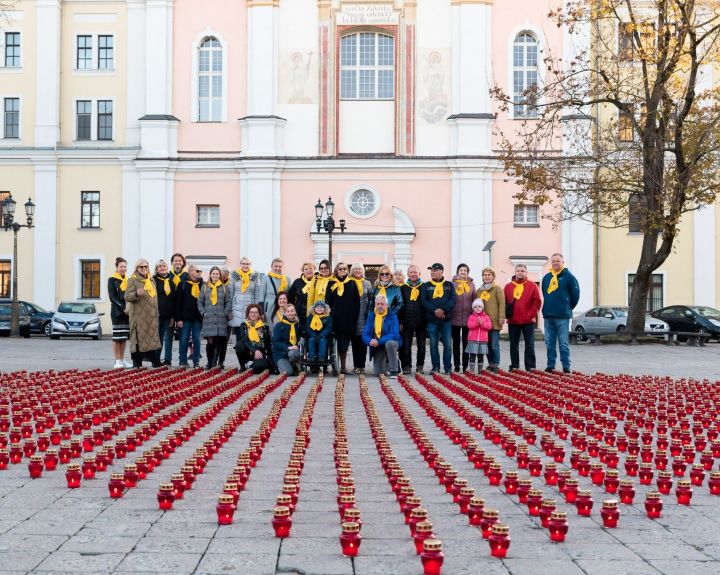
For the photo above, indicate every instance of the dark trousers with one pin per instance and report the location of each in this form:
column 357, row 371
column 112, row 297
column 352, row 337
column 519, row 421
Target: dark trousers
column 359, row 351
column 527, row 331
column 166, row 333
column 408, row 334
column 459, row 338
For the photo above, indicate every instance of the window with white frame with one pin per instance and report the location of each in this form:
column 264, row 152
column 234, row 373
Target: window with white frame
column 210, row 80
column 12, row 50
column 525, row 215
column 83, row 120
column 105, row 120
column 95, row 52
column 655, row 294
column 105, row 52
column 208, row 215
column 367, row 66
column 11, row 118
column 90, row 279
column 525, row 75
column 83, row 59
column 89, row 209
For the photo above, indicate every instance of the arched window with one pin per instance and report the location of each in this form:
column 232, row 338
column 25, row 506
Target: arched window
column 210, row 80
column 525, row 75
column 367, row 66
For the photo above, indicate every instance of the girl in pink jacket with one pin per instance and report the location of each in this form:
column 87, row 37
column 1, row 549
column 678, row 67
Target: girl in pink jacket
column 479, row 324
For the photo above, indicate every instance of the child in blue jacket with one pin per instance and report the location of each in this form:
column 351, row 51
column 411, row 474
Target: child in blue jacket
column 319, row 327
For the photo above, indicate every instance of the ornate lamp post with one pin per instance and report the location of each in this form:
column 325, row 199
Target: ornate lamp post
column 327, row 224
column 9, row 223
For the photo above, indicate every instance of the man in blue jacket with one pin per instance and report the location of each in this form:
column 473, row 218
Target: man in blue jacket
column 561, row 293
column 438, row 300
column 382, row 336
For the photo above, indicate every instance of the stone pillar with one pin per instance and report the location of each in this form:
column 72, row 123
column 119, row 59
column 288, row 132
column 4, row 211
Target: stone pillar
column 136, row 67
column 47, row 73
column 471, row 214
column 705, row 255
column 46, row 206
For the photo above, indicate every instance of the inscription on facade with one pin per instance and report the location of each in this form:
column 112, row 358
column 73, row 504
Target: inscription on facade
column 367, row 14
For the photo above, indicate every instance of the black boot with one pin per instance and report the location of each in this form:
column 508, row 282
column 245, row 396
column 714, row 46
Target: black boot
column 136, row 357
column 210, row 350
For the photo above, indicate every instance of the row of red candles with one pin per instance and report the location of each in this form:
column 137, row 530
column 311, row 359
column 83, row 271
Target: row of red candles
column 282, row 514
column 416, row 517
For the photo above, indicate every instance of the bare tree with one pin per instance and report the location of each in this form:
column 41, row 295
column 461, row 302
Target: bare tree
column 641, row 113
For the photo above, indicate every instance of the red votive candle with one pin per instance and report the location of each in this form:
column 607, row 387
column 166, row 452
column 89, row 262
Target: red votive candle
column 558, row 526
column 350, row 539
column 423, row 531
column 432, row 557
column 609, row 513
column 166, row 496
column 225, row 509
column 281, row 522
column 490, row 517
column 116, row 485
column 683, row 492
column 35, row 466
column 584, row 502
column 626, row 491
column 499, row 540
column 653, row 505
column 73, row 475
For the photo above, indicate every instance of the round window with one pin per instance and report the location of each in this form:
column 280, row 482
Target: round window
column 363, row 203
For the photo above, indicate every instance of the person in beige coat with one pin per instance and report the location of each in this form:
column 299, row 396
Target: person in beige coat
column 493, row 297
column 141, row 297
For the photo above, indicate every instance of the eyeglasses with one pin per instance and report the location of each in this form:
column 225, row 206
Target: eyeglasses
column 142, row 267
column 385, row 274
column 342, row 269
column 324, row 268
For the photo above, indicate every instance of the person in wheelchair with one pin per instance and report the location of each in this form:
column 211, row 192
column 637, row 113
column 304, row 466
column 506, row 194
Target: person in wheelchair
column 285, row 342
column 318, row 330
column 382, row 336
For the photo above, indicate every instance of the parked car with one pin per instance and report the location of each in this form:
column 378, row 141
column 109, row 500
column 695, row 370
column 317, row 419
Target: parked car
column 39, row 318
column 691, row 318
column 6, row 319
column 610, row 319
column 76, row 319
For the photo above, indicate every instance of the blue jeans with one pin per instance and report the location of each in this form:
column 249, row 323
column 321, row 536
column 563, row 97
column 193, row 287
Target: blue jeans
column 494, row 348
column 557, row 333
column 440, row 332
column 317, row 348
column 166, row 337
column 190, row 327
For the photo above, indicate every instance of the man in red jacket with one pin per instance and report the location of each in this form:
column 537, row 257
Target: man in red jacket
column 524, row 298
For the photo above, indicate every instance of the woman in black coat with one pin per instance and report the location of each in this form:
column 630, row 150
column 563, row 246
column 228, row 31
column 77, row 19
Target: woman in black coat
column 253, row 342
column 301, row 289
column 344, row 300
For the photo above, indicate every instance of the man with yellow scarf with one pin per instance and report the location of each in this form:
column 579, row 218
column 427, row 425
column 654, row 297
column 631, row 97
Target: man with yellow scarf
column 522, row 304
column 561, row 293
column 438, row 299
column 413, row 325
column 272, row 284
column 187, row 315
column 382, row 336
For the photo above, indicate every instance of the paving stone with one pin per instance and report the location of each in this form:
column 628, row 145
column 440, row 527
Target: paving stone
column 236, row 564
column 315, row 564
column 91, row 541
column 160, row 562
column 31, row 542
column 73, row 562
column 540, row 566
column 687, row 567
column 172, row 545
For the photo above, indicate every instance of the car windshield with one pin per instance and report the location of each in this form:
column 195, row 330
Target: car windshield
column 620, row 311
column 37, row 308
column 76, row 308
column 707, row 312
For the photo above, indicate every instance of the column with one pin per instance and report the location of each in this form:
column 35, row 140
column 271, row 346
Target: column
column 471, row 215
column 155, row 215
column 158, row 54
column 45, row 271
column 130, row 211
column 136, row 14
column 705, row 254
column 47, row 76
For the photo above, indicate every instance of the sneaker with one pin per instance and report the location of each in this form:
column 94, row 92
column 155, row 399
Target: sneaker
column 361, row 370
column 420, row 371
column 127, row 363
column 550, row 369
column 448, row 371
column 166, row 362
column 434, row 370
column 356, row 370
column 183, row 364
column 493, row 368
column 118, row 364
column 394, row 374
column 457, row 370
column 566, row 370
column 407, row 370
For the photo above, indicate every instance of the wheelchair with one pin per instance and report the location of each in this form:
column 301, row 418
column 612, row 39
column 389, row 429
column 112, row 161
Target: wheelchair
column 329, row 361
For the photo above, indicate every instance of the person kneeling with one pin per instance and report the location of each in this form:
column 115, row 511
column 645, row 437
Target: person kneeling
column 319, row 327
column 285, row 337
column 382, row 336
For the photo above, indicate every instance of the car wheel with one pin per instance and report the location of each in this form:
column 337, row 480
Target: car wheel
column 47, row 329
column 620, row 328
column 580, row 333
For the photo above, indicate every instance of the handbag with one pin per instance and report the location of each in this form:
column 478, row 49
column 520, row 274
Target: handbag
column 509, row 309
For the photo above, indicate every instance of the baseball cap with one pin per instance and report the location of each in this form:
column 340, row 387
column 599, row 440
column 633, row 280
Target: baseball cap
column 436, row 266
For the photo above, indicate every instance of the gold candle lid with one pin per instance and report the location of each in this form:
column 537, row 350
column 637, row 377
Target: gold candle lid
column 424, row 527
column 89, row 459
column 230, row 486
column 283, row 500
column 571, row 481
column 535, row 492
column 432, row 545
column 477, row 501
column 525, row 481
column 683, row 483
column 596, row 465
column 419, row 512
column 281, row 511
column 353, row 513
column 491, row 513
column 584, row 493
column 413, row 500
column 350, row 527
column 610, row 504
column 467, row 491
column 113, row 476
column 130, row 467
column 665, row 474
column 166, row 487
column 500, row 529
column 549, row 502
column 37, row 457
column 176, row 477
column 558, row 515
column 626, row 482
column 511, row 473
column 611, row 473
column 460, row 482
column 347, row 499
column 653, row 495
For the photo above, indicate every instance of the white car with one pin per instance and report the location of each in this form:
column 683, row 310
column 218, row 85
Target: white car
column 610, row 319
column 76, row 319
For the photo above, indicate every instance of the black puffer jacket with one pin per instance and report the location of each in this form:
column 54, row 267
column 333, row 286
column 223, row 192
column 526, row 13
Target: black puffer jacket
column 186, row 308
column 166, row 302
column 412, row 314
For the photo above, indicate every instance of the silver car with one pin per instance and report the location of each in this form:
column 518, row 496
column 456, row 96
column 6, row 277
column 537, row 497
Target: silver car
column 605, row 319
column 76, row 319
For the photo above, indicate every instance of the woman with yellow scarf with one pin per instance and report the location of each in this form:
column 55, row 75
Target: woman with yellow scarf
column 141, row 297
column 493, row 297
column 301, row 290
column 365, row 292
column 253, row 341
column 344, row 300
column 464, row 296
column 214, row 307
column 116, row 286
column 243, row 289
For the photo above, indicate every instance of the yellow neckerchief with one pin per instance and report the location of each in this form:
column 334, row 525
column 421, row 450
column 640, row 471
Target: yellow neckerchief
column 279, row 314
column 245, row 277
column 519, row 289
column 321, row 284
column 463, row 286
column 306, row 287
column 195, row 291
column 166, row 283
column 359, row 284
column 148, row 284
column 553, row 285
column 339, row 286
column 293, row 333
column 213, row 292
column 123, row 280
column 414, row 289
column 485, row 294
column 379, row 317
column 439, row 288
column 316, row 322
column 176, row 277
column 382, row 291
column 253, row 334
column 283, row 281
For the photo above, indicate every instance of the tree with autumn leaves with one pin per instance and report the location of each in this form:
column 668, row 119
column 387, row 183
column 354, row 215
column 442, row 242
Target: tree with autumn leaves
column 629, row 126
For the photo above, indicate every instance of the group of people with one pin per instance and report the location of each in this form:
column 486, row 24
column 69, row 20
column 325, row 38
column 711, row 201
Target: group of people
column 270, row 314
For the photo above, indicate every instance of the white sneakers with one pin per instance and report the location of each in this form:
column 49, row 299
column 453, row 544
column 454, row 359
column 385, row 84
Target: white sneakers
column 118, row 364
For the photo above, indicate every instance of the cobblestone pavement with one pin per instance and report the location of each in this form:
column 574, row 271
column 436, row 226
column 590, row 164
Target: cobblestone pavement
column 47, row 528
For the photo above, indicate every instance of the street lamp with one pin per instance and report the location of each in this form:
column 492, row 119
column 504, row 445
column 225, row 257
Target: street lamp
column 488, row 248
column 327, row 224
column 9, row 223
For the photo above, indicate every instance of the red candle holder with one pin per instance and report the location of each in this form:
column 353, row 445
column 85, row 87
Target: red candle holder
column 432, row 557
column 646, row 473
column 417, row 515
column 36, row 466
column 350, row 539
column 166, row 496
column 423, row 531
column 16, row 453
column 281, row 522
column 679, row 466
column 50, row 460
column 683, row 492
column 551, row 474
column 626, row 492
column 116, row 485
column 597, row 473
column 714, row 483
column 490, row 517
column 88, row 468
column 558, row 526
column 225, row 509
column 466, row 494
column 584, row 503
column 73, row 475
column 534, row 501
column 511, row 482
column 475, row 510
column 570, row 490
column 499, row 541
column 131, row 476
column 546, row 509
column 664, row 482
column 609, row 513
column 523, row 490
column 653, row 505
column 178, row 483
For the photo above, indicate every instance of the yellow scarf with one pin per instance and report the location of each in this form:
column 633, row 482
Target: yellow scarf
column 463, row 286
column 553, row 285
column 379, row 317
column 148, row 284
column 283, row 281
column 166, row 284
column 245, row 277
column 359, row 284
column 213, row 291
column 339, row 286
column 485, row 295
column 321, row 284
column 316, row 322
column 253, row 334
column 414, row 290
column 123, row 281
column 381, row 292
column 438, row 291
column 195, row 291
column 176, row 277
column 306, row 288
column 519, row 289
column 293, row 334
